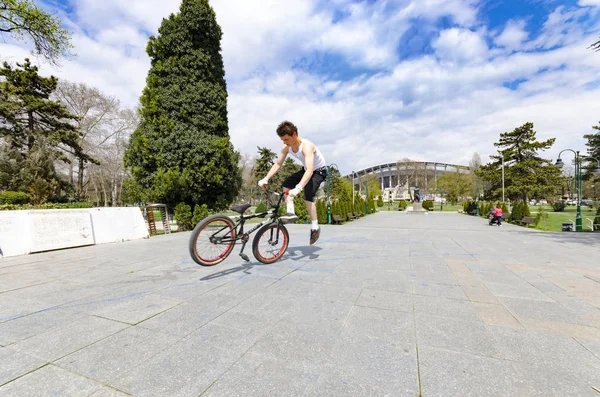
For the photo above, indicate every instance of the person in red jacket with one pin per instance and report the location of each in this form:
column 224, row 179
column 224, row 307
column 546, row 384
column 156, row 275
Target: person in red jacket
column 498, row 215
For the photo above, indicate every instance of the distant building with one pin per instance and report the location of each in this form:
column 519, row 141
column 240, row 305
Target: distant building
column 398, row 181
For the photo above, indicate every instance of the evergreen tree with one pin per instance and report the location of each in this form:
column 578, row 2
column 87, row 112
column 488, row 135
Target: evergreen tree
column 526, row 174
column 181, row 150
column 593, row 144
column 322, row 211
column 30, row 122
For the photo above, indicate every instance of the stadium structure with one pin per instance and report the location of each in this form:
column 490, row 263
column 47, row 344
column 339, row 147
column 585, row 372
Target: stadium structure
column 402, row 179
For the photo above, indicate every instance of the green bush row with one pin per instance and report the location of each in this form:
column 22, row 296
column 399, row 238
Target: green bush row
column 46, row 206
column 9, row 197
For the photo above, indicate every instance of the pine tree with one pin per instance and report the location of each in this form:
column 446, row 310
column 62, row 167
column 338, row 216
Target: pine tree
column 526, row 173
column 181, row 151
column 31, row 122
column 593, row 144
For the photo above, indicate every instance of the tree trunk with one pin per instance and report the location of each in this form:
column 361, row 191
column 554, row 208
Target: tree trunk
column 80, row 177
column 114, row 191
column 30, row 138
column 103, row 187
column 71, row 172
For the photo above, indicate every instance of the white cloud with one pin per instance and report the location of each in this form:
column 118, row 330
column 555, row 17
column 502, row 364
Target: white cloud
column 593, row 3
column 438, row 107
column 513, row 35
column 461, row 45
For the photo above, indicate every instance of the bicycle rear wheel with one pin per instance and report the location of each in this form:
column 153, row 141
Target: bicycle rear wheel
column 212, row 240
column 270, row 243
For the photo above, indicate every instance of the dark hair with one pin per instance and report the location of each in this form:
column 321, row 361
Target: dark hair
column 286, row 128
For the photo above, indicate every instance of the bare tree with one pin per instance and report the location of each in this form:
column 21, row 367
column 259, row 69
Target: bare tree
column 107, row 177
column 95, row 112
column 249, row 181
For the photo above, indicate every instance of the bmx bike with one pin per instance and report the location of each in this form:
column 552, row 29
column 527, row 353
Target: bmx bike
column 213, row 239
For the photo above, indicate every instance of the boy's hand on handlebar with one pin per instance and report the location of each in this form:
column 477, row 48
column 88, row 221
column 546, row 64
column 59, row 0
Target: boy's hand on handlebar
column 263, row 182
column 295, row 191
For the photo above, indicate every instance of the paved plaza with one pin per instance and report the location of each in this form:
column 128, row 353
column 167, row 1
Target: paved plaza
column 392, row 304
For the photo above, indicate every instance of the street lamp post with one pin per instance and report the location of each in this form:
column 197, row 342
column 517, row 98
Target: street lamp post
column 578, row 160
column 502, row 157
column 329, row 167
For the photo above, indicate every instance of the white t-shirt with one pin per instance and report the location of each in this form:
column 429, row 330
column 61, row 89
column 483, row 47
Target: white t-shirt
column 319, row 160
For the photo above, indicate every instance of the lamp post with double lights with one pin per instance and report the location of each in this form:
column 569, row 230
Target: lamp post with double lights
column 578, row 160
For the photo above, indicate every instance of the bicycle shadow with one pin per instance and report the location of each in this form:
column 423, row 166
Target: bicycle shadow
column 305, row 252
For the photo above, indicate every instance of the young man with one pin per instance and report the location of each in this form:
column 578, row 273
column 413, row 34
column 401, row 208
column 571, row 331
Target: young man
column 308, row 179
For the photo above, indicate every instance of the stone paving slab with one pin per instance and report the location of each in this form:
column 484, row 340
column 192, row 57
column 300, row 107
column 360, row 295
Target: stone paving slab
column 389, row 304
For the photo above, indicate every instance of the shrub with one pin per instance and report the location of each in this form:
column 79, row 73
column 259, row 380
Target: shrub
column 200, row 212
column 183, row 216
column 504, row 208
column 542, row 216
column 322, row 211
column 402, row 204
column 9, row 197
column 597, row 220
column 301, row 210
column 428, row 205
column 517, row 213
column 526, row 211
column 46, row 206
column 372, row 209
column 469, row 206
column 380, row 201
column 558, row 206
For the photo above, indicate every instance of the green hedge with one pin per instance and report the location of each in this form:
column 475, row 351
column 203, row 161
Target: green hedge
column 9, row 197
column 46, row 206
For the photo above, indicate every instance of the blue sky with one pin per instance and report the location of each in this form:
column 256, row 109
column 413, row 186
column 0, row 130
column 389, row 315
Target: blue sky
column 369, row 81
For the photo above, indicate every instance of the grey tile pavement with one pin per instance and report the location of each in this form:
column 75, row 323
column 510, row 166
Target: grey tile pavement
column 387, row 305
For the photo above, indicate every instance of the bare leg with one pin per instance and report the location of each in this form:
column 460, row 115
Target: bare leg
column 312, row 210
column 289, row 200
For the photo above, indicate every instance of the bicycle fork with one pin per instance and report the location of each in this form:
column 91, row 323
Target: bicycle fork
column 246, row 236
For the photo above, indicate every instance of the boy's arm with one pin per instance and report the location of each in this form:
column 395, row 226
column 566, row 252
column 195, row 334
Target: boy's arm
column 309, row 160
column 275, row 167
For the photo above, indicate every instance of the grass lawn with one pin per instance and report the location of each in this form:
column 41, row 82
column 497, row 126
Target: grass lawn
column 556, row 219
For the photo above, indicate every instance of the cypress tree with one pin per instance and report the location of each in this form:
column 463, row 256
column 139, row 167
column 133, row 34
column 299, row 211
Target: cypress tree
column 181, row 150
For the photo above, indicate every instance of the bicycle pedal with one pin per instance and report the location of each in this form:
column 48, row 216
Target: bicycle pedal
column 245, row 257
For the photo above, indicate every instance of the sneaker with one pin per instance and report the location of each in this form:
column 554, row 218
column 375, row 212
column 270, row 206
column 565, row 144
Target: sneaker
column 288, row 218
column 314, row 235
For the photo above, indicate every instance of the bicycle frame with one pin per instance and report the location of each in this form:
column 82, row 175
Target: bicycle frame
column 240, row 220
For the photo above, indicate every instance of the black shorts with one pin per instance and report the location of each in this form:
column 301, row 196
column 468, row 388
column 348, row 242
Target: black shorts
column 310, row 190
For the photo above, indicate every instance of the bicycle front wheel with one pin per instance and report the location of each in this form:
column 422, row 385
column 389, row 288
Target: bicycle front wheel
column 270, row 243
column 212, row 240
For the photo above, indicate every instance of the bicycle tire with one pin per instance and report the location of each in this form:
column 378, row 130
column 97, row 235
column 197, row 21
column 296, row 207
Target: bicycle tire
column 229, row 231
column 268, row 231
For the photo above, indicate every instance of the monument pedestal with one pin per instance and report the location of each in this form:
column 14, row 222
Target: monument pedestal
column 417, row 208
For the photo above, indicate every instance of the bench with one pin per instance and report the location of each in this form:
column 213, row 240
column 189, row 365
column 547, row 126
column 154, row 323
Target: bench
column 505, row 217
column 350, row 216
column 356, row 215
column 527, row 220
column 336, row 219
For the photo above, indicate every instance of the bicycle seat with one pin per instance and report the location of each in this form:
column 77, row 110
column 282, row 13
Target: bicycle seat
column 240, row 209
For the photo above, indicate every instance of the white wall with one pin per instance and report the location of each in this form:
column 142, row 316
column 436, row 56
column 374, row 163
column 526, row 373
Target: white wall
column 23, row 232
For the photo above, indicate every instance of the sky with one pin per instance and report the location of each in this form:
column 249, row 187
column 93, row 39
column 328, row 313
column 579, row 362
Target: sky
column 369, row 82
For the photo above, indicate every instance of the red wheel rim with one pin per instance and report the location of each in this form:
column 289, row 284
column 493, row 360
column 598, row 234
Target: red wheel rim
column 225, row 252
column 281, row 250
